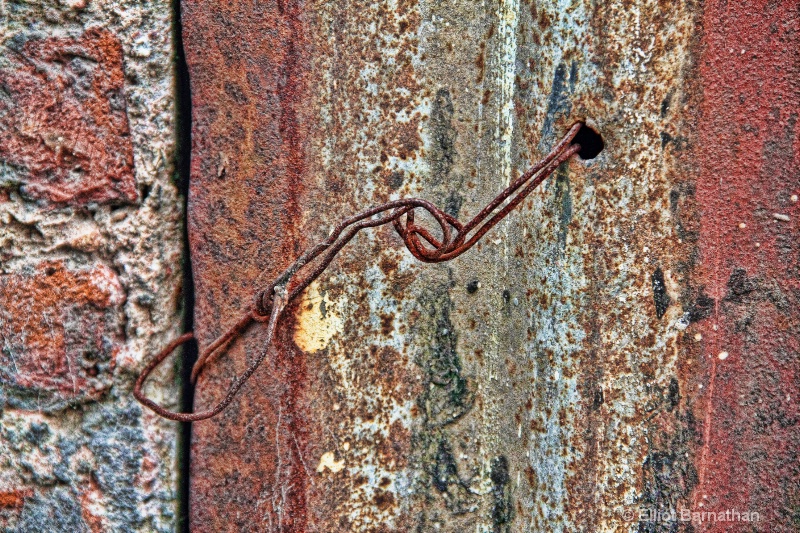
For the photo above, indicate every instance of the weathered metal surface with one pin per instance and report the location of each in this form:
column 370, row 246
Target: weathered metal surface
column 89, row 265
column 548, row 380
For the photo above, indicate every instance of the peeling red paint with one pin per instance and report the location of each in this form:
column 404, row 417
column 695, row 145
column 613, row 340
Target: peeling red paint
column 63, row 121
column 749, row 170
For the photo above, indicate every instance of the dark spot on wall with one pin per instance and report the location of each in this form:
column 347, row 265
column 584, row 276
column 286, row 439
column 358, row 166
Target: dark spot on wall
column 660, row 296
column 501, row 497
column 384, row 500
column 666, row 102
column 472, row 286
column 558, row 103
column 701, row 308
column 37, row 433
column 665, row 139
column 598, row 399
column 394, row 180
column 445, row 469
column 673, row 395
column 440, row 467
column 739, row 285
column 443, row 135
column 452, row 205
column 674, row 196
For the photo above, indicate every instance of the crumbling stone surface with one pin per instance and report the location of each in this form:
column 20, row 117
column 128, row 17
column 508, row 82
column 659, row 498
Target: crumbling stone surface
column 64, row 127
column 90, row 265
column 63, row 347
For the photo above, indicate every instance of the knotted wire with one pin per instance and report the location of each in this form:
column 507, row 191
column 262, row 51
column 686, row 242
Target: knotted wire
column 270, row 302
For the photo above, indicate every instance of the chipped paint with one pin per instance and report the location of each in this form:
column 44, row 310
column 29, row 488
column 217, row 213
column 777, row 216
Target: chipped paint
column 328, row 461
column 317, row 321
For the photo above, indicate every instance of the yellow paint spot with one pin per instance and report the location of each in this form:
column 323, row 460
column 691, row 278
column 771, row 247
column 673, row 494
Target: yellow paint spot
column 328, row 460
column 315, row 328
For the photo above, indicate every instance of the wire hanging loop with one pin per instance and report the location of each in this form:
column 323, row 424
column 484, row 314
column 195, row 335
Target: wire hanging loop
column 456, row 238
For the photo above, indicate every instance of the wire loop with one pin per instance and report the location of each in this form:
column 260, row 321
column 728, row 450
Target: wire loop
column 456, row 238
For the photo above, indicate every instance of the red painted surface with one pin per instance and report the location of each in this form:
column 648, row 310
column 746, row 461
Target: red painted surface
column 59, row 334
column 63, row 121
column 750, row 264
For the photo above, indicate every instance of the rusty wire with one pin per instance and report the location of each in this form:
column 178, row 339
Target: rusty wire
column 271, row 300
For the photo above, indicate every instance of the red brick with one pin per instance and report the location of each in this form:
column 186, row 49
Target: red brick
column 63, row 120
column 60, row 334
column 14, row 499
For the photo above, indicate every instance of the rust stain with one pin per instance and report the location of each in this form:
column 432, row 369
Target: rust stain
column 248, row 66
column 63, row 121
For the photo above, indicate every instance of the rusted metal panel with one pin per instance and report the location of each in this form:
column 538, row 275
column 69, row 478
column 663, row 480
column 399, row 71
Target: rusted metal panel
column 247, row 184
column 90, row 255
column 547, row 380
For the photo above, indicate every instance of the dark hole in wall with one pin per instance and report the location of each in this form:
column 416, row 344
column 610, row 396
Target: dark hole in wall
column 591, row 142
column 661, row 299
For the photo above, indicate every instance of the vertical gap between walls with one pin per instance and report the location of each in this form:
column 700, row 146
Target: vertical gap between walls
column 183, row 133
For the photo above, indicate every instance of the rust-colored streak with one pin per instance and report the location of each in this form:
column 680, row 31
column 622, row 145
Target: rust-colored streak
column 291, row 92
column 63, row 119
column 748, row 243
